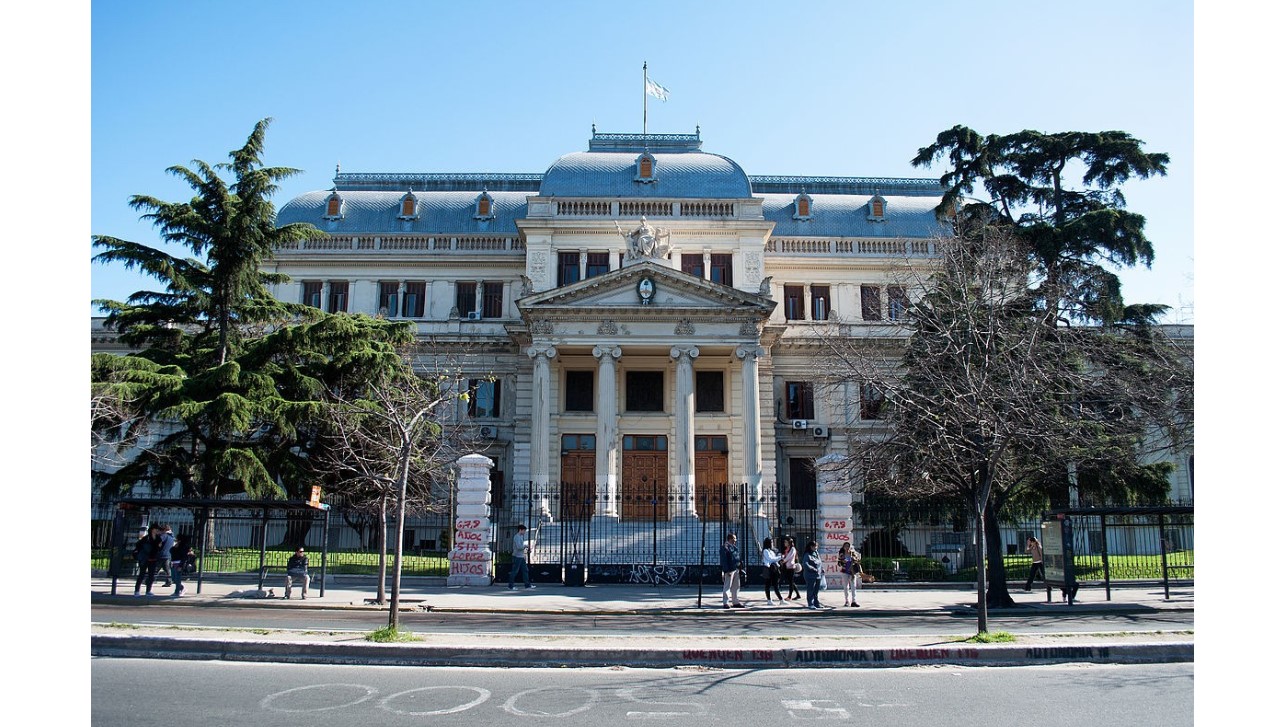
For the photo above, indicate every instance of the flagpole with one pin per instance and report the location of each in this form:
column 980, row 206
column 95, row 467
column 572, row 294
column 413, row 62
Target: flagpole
column 644, row 79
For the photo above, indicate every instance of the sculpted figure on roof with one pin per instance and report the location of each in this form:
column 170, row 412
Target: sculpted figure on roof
column 646, row 242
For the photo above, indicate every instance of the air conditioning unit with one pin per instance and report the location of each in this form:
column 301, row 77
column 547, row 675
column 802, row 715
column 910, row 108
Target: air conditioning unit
column 474, row 315
column 800, row 424
column 486, row 432
column 820, row 432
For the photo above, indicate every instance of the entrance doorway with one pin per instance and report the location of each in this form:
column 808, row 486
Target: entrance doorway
column 710, row 476
column 579, row 476
column 644, row 485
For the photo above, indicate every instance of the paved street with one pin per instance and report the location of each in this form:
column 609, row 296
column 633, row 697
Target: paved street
column 760, row 624
column 268, row 695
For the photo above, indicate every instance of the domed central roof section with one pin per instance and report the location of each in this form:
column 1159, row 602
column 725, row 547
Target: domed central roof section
column 679, row 169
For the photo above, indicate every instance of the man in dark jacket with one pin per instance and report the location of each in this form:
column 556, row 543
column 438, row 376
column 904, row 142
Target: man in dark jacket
column 147, row 552
column 296, row 569
column 731, row 573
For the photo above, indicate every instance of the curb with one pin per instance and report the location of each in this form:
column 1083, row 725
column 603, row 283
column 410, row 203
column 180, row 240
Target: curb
column 107, row 645
column 708, row 611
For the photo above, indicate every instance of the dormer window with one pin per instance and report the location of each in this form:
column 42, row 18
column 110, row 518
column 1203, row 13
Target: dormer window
column 646, row 168
column 409, row 207
column 485, row 206
column 334, row 206
column 802, row 207
column 877, row 206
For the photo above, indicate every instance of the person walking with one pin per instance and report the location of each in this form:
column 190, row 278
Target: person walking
column 296, row 569
column 812, row 574
column 731, row 573
column 521, row 552
column 849, row 573
column 147, row 552
column 771, row 572
column 790, row 567
column 178, row 561
column 162, row 559
column 1035, row 549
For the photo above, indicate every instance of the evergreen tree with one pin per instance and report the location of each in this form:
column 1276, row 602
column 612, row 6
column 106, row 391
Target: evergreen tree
column 230, row 380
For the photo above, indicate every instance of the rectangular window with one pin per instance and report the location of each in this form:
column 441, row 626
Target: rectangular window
column 897, row 302
column 795, row 310
column 820, row 302
column 645, row 443
column 644, row 391
column 492, row 300
column 709, row 391
column 802, row 484
column 579, row 391
column 799, row 400
column 338, row 296
column 388, row 298
column 568, row 268
column 597, row 263
column 483, row 398
column 871, row 303
column 871, row 402
column 413, row 306
column 720, row 269
column 578, row 443
column 693, row 264
column 312, row 293
column 465, row 298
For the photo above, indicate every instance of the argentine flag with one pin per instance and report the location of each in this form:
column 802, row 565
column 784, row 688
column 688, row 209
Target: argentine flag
column 656, row 90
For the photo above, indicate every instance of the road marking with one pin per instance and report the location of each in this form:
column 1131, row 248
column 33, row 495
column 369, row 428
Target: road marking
column 482, row 695
column 511, row 708
column 810, row 709
column 266, row 702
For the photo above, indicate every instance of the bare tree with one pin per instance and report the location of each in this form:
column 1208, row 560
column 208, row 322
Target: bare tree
column 986, row 397
column 394, row 441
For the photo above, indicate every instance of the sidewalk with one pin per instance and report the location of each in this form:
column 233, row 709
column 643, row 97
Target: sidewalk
column 708, row 650
column 433, row 594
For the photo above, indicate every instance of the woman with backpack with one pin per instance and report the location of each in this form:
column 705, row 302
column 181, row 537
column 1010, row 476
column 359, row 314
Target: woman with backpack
column 849, row 572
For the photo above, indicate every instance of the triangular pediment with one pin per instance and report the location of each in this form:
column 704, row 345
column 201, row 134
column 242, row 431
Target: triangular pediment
column 617, row 291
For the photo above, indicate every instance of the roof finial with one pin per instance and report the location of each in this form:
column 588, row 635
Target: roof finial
column 336, row 169
column 594, row 128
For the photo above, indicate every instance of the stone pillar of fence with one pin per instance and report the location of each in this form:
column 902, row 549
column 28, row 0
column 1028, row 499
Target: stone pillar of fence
column 834, row 505
column 470, row 559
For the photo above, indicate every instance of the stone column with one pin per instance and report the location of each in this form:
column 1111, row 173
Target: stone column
column 834, row 507
column 607, row 431
column 470, row 558
column 541, row 391
column 684, row 426
column 751, row 421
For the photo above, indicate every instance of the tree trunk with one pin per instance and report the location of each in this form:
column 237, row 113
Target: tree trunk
column 997, row 596
column 297, row 527
column 381, row 596
column 982, row 614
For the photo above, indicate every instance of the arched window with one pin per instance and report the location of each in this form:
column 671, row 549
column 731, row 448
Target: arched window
column 802, row 206
column 485, row 208
column 645, row 168
column 334, row 206
column 409, row 206
column 877, row 208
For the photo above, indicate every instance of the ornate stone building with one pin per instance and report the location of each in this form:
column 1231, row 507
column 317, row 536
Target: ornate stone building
column 645, row 308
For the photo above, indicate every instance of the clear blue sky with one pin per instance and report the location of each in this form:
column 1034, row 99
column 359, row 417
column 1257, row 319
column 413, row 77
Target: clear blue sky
column 825, row 88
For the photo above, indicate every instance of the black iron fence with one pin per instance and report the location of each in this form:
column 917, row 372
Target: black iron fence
column 648, row 533
column 236, row 540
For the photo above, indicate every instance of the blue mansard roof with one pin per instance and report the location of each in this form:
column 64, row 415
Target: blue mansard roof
column 847, row 215
column 447, row 203
column 609, row 169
